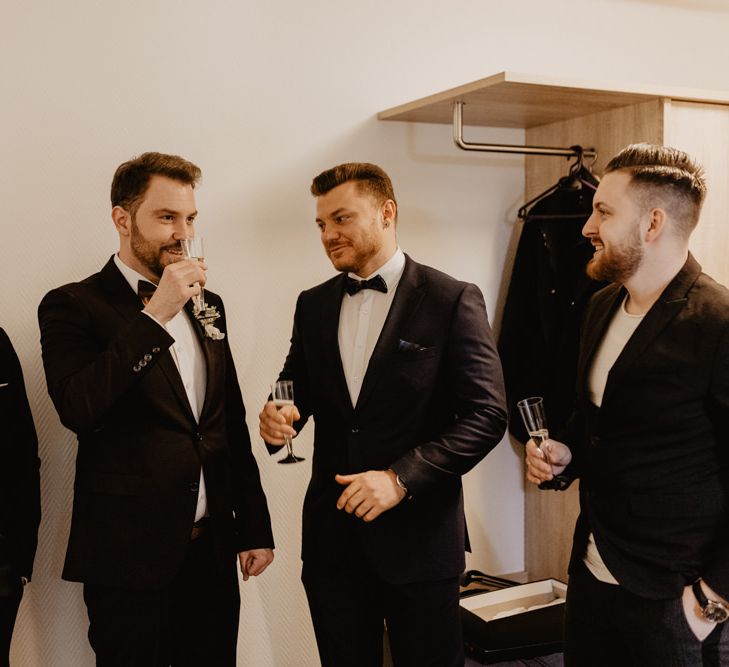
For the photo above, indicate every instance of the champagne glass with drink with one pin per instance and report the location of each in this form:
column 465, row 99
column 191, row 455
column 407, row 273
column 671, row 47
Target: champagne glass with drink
column 194, row 249
column 282, row 394
column 535, row 421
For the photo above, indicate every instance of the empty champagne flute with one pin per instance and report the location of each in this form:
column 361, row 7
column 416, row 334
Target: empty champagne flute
column 194, row 249
column 282, row 393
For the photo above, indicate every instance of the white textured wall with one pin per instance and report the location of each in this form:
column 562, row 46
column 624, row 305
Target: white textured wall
column 264, row 95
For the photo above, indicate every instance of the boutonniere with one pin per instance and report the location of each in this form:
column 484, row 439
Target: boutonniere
column 206, row 316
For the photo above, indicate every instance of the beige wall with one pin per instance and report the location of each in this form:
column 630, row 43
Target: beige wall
column 264, row 95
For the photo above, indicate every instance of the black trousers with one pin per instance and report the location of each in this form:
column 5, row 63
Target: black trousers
column 607, row 626
column 193, row 622
column 9, row 604
column 350, row 604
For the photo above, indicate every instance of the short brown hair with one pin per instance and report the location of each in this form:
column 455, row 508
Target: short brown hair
column 369, row 177
column 131, row 178
column 665, row 177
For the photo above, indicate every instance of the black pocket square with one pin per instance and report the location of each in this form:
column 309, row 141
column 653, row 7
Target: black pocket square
column 407, row 346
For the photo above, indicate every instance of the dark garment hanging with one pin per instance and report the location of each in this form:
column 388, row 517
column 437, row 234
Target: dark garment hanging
column 547, row 296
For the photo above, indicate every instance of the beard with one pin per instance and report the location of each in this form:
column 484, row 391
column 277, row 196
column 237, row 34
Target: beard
column 149, row 254
column 619, row 262
column 356, row 253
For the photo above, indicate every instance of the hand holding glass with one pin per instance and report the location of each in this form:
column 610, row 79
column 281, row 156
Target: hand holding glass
column 535, row 421
column 194, row 249
column 282, row 393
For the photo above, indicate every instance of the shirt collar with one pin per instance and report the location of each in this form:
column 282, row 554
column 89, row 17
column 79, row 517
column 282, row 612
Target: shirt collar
column 391, row 270
column 130, row 275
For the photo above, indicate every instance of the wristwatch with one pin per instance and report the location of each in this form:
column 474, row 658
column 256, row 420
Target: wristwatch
column 711, row 610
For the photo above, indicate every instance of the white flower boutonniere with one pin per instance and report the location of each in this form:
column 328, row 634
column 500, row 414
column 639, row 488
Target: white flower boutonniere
column 206, row 316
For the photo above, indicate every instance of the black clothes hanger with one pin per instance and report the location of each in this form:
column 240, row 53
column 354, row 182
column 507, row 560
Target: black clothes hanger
column 579, row 176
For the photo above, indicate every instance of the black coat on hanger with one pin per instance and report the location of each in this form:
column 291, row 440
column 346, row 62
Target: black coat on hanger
column 547, row 296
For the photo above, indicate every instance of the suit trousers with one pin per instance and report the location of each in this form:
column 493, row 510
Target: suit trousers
column 606, row 625
column 350, row 604
column 9, row 604
column 192, row 622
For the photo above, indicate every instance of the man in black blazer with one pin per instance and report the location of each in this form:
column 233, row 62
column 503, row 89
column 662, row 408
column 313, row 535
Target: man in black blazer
column 649, row 574
column 396, row 363
column 20, row 509
column 167, row 490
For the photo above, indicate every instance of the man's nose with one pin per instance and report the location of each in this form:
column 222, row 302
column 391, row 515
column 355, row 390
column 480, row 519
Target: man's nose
column 590, row 228
column 182, row 231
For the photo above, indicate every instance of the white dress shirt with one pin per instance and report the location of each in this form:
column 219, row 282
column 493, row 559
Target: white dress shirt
column 190, row 361
column 361, row 319
column 621, row 328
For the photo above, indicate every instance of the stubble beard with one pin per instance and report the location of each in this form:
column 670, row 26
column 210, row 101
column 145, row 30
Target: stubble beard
column 148, row 254
column 364, row 250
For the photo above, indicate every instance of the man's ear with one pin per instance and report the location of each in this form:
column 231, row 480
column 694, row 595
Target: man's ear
column 389, row 211
column 657, row 223
column 122, row 221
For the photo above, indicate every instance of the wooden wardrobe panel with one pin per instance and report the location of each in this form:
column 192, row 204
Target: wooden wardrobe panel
column 702, row 130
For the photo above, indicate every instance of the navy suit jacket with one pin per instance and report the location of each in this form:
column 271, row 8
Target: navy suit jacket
column 114, row 383
column 654, row 458
column 431, row 407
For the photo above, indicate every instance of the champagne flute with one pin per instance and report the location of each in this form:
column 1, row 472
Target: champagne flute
column 282, row 393
column 535, row 421
column 194, row 249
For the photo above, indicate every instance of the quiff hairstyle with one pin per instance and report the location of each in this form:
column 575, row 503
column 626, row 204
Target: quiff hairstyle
column 664, row 178
column 131, row 178
column 369, row 178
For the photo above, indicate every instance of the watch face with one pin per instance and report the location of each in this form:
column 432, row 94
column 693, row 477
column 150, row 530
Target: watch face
column 715, row 612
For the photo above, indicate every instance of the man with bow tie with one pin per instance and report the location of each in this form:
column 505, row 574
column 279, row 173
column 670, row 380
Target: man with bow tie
column 167, row 490
column 396, row 363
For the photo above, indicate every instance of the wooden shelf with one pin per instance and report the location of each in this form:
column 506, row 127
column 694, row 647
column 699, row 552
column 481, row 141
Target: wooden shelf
column 525, row 101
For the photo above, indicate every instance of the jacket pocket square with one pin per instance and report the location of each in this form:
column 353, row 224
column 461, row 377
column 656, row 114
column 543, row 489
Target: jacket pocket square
column 407, row 346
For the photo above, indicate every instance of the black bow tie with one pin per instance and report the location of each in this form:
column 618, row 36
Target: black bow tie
column 145, row 289
column 376, row 283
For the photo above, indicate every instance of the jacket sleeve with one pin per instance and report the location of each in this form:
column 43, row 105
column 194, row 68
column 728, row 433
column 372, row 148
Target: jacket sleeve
column 716, row 570
column 21, row 509
column 85, row 379
column 475, row 388
column 253, row 521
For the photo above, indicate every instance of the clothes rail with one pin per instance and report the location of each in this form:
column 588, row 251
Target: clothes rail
column 576, row 151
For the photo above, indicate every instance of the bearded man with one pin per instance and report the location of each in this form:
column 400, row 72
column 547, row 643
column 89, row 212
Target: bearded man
column 167, row 490
column 396, row 363
column 649, row 572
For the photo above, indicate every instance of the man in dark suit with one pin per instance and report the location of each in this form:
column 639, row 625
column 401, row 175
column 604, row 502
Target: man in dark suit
column 19, row 492
column 167, row 489
column 649, row 574
column 396, row 363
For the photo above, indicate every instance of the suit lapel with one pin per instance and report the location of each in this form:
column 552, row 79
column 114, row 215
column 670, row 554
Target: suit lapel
column 211, row 358
column 123, row 299
column 669, row 304
column 329, row 318
column 410, row 291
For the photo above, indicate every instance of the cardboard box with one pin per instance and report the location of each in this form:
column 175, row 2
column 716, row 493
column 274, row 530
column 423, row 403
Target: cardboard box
column 514, row 623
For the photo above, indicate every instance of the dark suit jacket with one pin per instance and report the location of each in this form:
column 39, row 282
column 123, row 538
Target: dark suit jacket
column 114, row 383
column 654, row 459
column 548, row 294
column 431, row 407
column 19, row 473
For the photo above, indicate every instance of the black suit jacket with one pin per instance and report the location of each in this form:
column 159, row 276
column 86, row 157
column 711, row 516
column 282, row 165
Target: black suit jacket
column 114, row 383
column 19, row 473
column 431, row 407
column 654, row 459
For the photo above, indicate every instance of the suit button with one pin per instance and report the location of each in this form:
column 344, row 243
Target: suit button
column 148, row 357
column 197, row 436
column 355, row 429
column 194, row 486
column 595, row 440
column 155, row 350
column 137, row 368
column 142, row 363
